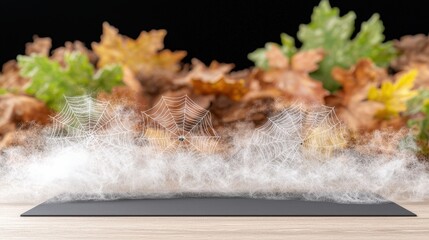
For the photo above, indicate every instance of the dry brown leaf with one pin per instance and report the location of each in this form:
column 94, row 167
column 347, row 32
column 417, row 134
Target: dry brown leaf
column 145, row 54
column 383, row 141
column 18, row 110
column 412, row 50
column 276, row 58
column 130, row 80
column 10, row 78
column 351, row 103
column 157, row 82
column 296, row 86
column 254, row 109
column 294, row 80
column 413, row 54
column 307, row 61
column 58, row 54
column 215, row 79
column 22, row 109
column 40, row 46
column 233, row 88
column 124, row 96
column 211, row 73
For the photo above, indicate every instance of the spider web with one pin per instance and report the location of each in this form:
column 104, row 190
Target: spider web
column 296, row 133
column 88, row 121
column 176, row 123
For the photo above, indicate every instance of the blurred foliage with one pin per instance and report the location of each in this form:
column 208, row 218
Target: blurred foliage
column 418, row 107
column 394, row 96
column 332, row 32
column 145, row 54
column 366, row 96
column 50, row 81
column 287, row 46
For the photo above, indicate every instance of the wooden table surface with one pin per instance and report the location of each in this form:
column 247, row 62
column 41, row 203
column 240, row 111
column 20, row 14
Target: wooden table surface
column 14, row 227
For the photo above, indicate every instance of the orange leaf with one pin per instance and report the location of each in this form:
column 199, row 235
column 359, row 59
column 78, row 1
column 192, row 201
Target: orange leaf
column 21, row 109
column 143, row 54
column 234, row 89
column 351, row 102
column 215, row 80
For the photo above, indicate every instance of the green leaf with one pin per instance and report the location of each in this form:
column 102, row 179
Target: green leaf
column 369, row 43
column 288, row 45
column 416, row 104
column 50, row 81
column 107, row 77
column 327, row 29
column 419, row 106
column 332, row 32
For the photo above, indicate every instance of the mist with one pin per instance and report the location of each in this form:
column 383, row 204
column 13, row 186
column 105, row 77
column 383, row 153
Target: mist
column 104, row 169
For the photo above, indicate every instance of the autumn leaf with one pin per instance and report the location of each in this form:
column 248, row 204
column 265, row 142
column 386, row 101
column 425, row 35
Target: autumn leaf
column 292, row 78
column 19, row 109
column 259, row 56
column 413, row 54
column 351, row 104
column 332, row 32
column 413, row 50
column 58, row 54
column 145, row 54
column 41, row 46
column 394, row 95
column 234, row 89
column 50, row 81
column 307, row 61
column 215, row 79
column 275, row 58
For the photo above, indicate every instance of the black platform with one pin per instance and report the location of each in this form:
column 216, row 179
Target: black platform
column 213, row 206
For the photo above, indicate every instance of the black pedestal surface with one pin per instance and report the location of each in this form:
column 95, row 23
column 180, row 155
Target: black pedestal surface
column 213, row 206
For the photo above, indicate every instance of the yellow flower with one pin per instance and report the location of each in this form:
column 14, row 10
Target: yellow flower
column 394, row 95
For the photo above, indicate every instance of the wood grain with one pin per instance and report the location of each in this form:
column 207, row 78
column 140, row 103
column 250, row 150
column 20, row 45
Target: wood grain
column 14, row 227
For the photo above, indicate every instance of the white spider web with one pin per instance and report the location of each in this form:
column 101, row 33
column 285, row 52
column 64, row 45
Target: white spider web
column 88, row 121
column 296, row 133
column 176, row 123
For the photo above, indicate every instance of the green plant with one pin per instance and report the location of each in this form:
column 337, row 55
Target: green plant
column 332, row 32
column 50, row 81
column 418, row 107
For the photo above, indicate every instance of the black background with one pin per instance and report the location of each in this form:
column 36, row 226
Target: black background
column 222, row 30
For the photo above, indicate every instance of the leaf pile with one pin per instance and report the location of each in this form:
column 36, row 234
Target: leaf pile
column 330, row 68
column 32, row 88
